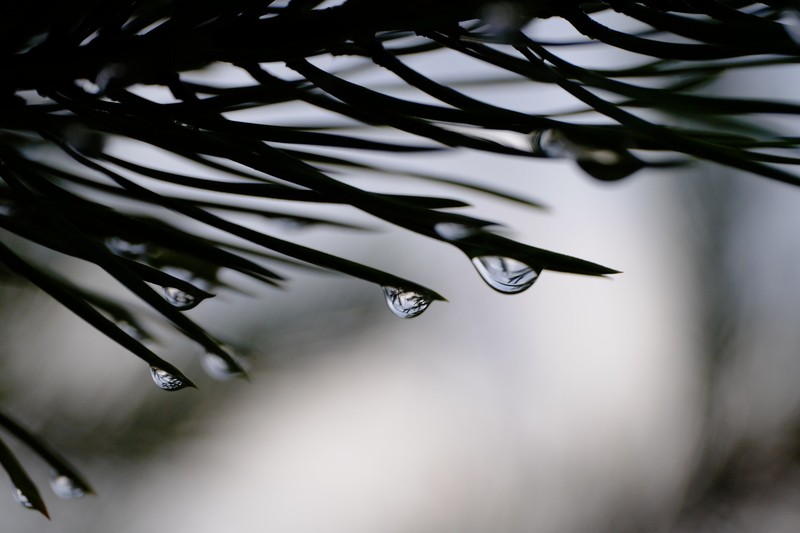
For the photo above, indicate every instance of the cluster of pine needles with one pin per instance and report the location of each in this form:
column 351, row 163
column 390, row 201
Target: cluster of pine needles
column 77, row 79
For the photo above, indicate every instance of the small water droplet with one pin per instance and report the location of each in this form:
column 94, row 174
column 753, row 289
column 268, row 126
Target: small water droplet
column 21, row 498
column 87, row 86
column 549, row 143
column 7, row 208
column 791, row 23
column 66, row 487
column 602, row 156
column 133, row 330
column 406, row 304
column 453, row 231
column 109, row 76
column 503, row 16
column 180, row 299
column 600, row 162
column 608, row 165
column 504, row 274
column 124, row 248
column 84, row 139
column 218, row 368
column 165, row 380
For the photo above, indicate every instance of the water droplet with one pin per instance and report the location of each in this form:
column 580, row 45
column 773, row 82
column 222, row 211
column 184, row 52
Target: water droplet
column 21, row 498
column 7, row 208
column 180, row 299
column 165, row 380
column 503, row 16
column 108, row 76
column 218, row 368
column 87, row 86
column 791, row 23
column 608, row 165
column 406, row 304
column 124, row 248
column 504, row 274
column 83, row 139
column 66, row 487
column 600, row 162
column 453, row 231
column 550, row 143
column 133, row 330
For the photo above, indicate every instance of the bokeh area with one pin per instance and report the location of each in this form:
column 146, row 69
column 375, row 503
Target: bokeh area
column 664, row 398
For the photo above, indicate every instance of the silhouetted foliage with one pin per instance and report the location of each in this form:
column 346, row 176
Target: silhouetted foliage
column 71, row 79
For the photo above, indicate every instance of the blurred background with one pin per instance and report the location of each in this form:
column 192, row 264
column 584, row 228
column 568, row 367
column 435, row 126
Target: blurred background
column 661, row 399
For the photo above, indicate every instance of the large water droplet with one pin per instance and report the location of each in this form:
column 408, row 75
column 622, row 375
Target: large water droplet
column 406, row 304
column 180, row 299
column 218, row 368
column 21, row 498
column 453, row 231
column 66, row 487
column 504, row 274
column 165, row 380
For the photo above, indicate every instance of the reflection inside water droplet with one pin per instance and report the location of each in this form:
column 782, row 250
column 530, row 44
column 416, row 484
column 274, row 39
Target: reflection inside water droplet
column 180, row 299
column 406, row 304
column 165, row 380
column 218, row 368
column 453, row 231
column 504, row 274
column 65, row 487
column 549, row 143
column 21, row 498
column 131, row 250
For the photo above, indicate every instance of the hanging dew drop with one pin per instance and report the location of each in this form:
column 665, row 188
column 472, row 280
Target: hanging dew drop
column 21, row 498
column 453, row 231
column 218, row 368
column 179, row 299
column 504, row 274
column 608, row 165
column 66, row 487
column 405, row 304
column 504, row 17
column 165, row 380
column 132, row 330
column 124, row 248
column 549, row 143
